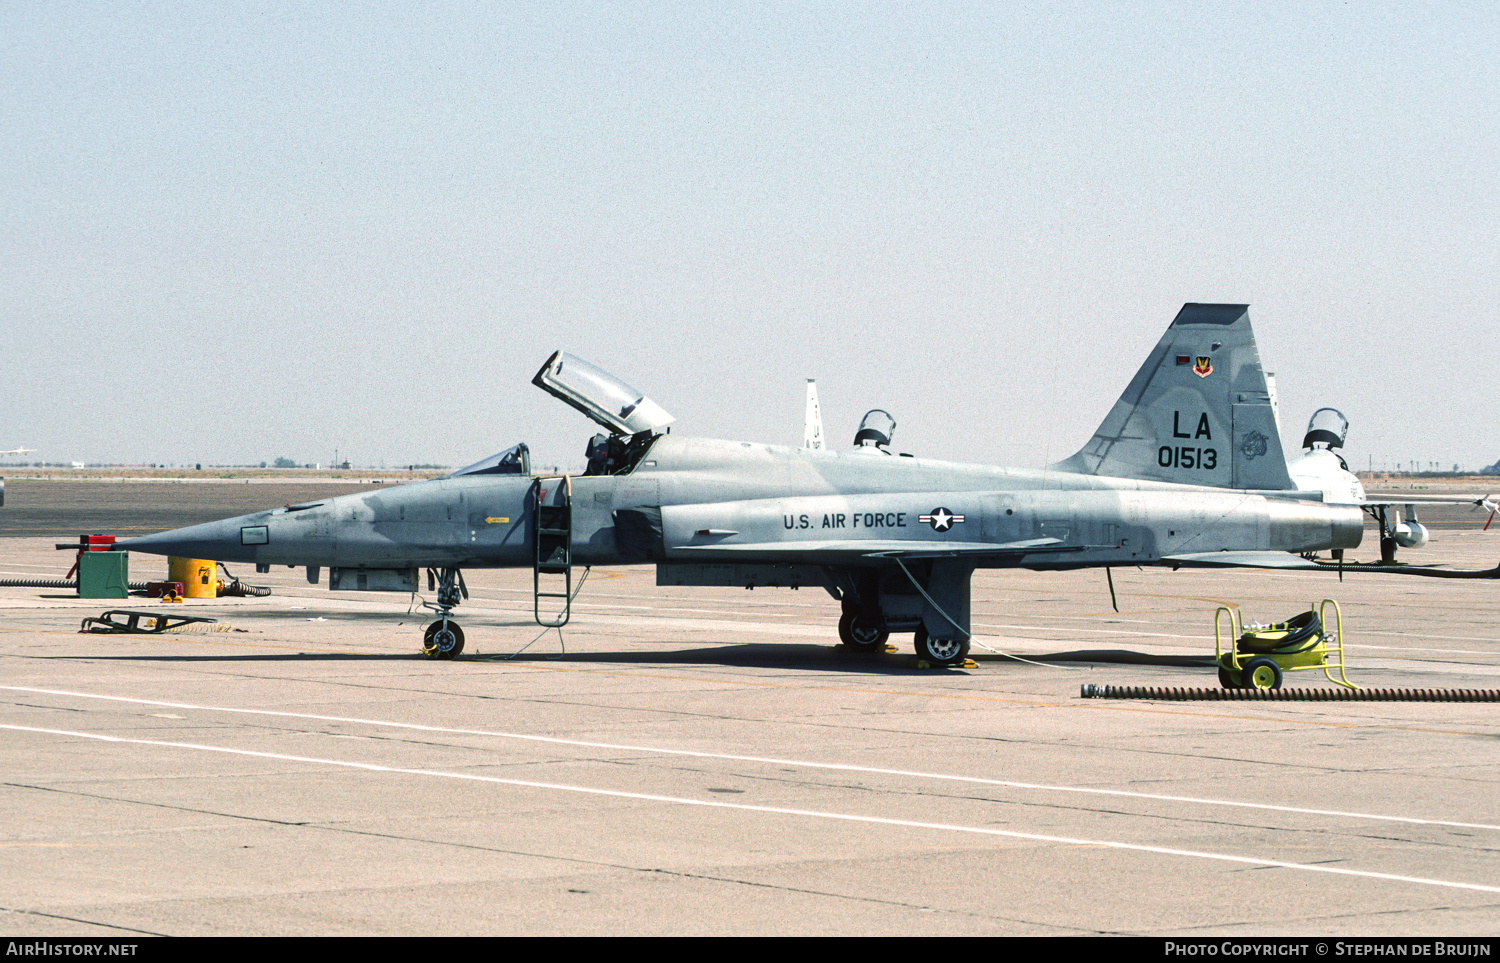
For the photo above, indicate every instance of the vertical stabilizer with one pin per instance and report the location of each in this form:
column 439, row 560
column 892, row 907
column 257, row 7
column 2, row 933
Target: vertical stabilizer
column 1198, row 412
column 812, row 428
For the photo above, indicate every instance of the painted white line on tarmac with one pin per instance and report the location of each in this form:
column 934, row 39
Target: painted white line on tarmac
column 767, row 760
column 776, row 810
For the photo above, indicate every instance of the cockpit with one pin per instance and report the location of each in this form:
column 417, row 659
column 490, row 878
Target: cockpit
column 632, row 420
column 876, row 429
column 515, row 460
column 1326, row 431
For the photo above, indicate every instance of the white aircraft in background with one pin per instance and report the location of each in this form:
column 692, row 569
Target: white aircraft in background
column 1321, row 469
column 1323, row 474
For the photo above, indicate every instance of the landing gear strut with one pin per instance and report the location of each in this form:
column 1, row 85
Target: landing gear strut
column 1387, row 537
column 443, row 638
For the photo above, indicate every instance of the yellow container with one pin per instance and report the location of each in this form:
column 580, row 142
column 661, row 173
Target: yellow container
column 199, row 577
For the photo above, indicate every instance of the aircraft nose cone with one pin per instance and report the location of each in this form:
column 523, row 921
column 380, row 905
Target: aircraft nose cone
column 219, row 541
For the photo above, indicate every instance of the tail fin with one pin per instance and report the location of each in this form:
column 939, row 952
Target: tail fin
column 1197, row 413
column 812, row 428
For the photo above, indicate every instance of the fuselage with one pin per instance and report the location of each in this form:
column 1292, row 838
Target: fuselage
column 711, row 500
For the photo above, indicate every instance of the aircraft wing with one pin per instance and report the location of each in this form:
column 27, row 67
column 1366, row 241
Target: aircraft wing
column 833, row 550
column 1478, row 501
column 1410, row 502
column 1288, row 562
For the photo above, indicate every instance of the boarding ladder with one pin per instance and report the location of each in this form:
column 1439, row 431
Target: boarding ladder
column 553, row 567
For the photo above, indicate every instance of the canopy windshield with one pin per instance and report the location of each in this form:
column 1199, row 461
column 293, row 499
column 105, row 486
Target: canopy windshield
column 515, row 460
column 600, row 395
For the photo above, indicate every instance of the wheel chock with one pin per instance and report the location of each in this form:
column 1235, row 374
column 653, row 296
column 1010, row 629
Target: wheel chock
column 916, row 662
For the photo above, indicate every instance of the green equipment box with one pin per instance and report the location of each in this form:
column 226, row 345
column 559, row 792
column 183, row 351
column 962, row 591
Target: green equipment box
column 104, row 575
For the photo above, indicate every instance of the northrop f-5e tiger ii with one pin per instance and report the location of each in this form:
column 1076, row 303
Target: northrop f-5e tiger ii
column 1187, row 468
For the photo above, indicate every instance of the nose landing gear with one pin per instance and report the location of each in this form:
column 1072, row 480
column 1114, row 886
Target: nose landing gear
column 444, row 639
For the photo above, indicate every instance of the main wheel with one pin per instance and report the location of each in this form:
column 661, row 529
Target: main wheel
column 1262, row 674
column 860, row 634
column 443, row 640
column 940, row 651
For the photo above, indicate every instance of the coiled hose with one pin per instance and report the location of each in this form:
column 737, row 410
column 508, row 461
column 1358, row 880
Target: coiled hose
column 234, row 587
column 1172, row 694
column 241, row 590
column 59, row 583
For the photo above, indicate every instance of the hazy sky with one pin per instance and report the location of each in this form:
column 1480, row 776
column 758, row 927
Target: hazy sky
column 236, row 231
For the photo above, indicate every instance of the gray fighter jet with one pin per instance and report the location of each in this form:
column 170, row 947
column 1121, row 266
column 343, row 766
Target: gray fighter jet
column 1186, row 468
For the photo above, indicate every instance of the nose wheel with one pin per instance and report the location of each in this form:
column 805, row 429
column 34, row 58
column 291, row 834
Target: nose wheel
column 443, row 640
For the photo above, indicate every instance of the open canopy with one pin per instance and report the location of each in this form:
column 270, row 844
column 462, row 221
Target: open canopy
column 600, row 395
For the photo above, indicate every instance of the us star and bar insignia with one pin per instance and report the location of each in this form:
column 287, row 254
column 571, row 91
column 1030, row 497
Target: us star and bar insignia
column 941, row 519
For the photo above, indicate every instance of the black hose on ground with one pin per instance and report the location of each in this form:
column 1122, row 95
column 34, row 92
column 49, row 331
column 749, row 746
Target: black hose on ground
column 1172, row 694
column 241, row 590
column 234, row 587
column 57, row 583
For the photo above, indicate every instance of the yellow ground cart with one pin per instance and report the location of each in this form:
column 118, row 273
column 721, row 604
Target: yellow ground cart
column 1257, row 658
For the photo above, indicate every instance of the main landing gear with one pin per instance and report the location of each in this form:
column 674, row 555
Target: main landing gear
column 940, row 651
column 935, row 596
column 443, row 638
column 861, row 633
